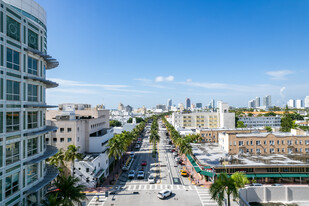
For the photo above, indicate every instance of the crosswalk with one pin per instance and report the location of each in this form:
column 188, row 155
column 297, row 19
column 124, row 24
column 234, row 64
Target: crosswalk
column 205, row 197
column 157, row 187
column 97, row 202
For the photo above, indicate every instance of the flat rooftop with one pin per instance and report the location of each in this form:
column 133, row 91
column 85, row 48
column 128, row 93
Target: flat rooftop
column 230, row 129
column 264, row 134
column 212, row 154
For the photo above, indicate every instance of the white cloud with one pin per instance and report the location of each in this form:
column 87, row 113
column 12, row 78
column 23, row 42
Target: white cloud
column 282, row 92
column 279, row 75
column 164, row 79
column 64, row 82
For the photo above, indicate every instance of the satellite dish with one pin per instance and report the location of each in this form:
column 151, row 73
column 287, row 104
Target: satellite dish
column 32, row 198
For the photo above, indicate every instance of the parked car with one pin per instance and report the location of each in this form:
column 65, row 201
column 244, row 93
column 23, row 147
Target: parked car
column 175, row 154
column 177, row 159
column 140, row 174
column 137, row 146
column 128, row 164
column 132, row 154
column 164, row 194
column 256, row 184
column 131, row 174
column 143, row 163
column 151, row 179
column 183, row 173
column 276, row 185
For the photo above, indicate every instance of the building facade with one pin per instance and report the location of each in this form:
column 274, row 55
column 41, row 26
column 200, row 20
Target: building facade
column 188, row 103
column 253, row 122
column 23, row 63
column 306, row 102
column 267, row 101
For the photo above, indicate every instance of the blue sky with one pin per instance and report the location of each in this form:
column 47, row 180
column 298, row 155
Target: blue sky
column 142, row 52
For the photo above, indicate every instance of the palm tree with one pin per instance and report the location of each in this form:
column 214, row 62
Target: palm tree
column 227, row 185
column 71, row 154
column 69, row 191
column 58, row 160
column 116, row 147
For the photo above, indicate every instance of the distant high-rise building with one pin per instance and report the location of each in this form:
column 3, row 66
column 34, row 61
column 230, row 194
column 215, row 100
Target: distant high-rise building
column 212, row 104
column 181, row 107
column 169, row 102
column 188, row 103
column 128, row 108
column 298, row 103
column 291, row 103
column 306, row 102
column 267, row 101
column 199, row 105
column 161, row 106
column 251, row 104
column 120, row 107
column 257, row 102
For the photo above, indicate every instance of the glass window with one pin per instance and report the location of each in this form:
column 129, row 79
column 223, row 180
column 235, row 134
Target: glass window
column 12, row 121
column 32, row 147
column 12, row 28
column 32, row 66
column 69, row 139
column 61, row 139
column 32, row 173
column 32, row 93
column 12, row 90
column 12, row 153
column 1, row 122
column 12, row 59
column 32, row 39
column 32, row 120
column 11, row 184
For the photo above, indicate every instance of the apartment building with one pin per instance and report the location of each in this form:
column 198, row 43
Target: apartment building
column 211, row 135
column 296, row 142
column 24, row 172
column 255, row 122
column 88, row 129
column 192, row 120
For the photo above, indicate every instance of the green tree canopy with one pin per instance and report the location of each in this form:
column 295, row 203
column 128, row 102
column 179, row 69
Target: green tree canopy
column 240, row 124
column 138, row 120
column 114, row 123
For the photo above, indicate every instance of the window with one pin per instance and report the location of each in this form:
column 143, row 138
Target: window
column 32, row 120
column 300, row 149
column 32, row 147
column 12, row 90
column 265, row 150
column 69, row 129
column 278, row 150
column 278, row 142
column 32, row 66
column 300, row 141
column 47, row 140
column 11, row 184
column 241, row 143
column 1, row 122
column 32, row 93
column 12, row 59
column 247, row 142
column 69, row 139
column 258, row 151
column 12, row 28
column 258, row 142
column 78, row 139
column 282, row 141
column 283, row 150
column 61, row 139
column 271, row 142
column 265, row 142
column 234, row 143
column 271, row 150
column 32, row 173
column 307, row 150
column 61, row 130
column 306, row 142
column 12, row 121
column 32, row 39
column 289, row 142
column 290, row 150
column 12, row 153
column 54, row 139
column 251, row 142
column 296, row 142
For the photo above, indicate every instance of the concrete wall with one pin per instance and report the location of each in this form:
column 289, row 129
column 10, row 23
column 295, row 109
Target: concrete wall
column 283, row 194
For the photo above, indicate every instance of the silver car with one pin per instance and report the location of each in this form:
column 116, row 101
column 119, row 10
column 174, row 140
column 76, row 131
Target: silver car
column 151, row 179
column 131, row 174
column 164, row 193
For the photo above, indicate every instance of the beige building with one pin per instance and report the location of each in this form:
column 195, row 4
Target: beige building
column 211, row 135
column 296, row 142
column 79, row 125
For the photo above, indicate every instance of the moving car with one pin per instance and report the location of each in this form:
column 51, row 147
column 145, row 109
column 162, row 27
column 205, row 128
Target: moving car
column 140, row 174
column 137, row 146
column 151, row 179
column 164, row 194
column 183, row 173
column 131, row 174
column 132, row 154
column 144, row 163
column 276, row 184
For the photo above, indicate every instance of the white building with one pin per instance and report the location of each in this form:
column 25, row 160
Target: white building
column 291, row 103
column 258, row 122
column 267, row 101
column 299, row 103
column 306, row 102
column 24, row 61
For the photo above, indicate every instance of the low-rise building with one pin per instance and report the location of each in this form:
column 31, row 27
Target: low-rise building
column 255, row 122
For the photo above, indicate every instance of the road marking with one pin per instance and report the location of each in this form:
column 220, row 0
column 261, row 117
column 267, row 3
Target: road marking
column 134, row 187
column 178, row 187
column 190, row 188
column 145, row 187
column 140, row 187
column 156, row 186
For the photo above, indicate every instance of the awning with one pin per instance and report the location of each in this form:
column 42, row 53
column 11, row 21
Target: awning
column 209, row 174
column 268, row 175
column 196, row 167
column 250, row 175
column 295, row 175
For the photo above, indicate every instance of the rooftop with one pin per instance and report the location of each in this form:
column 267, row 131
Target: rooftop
column 277, row 134
column 212, row 154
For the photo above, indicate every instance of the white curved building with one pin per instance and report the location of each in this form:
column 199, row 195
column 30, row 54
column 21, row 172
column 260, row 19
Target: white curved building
column 24, row 173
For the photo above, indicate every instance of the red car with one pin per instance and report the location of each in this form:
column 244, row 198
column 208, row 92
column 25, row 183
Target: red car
column 144, row 163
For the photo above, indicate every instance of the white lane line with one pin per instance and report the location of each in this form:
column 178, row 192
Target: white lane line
column 150, row 187
column 134, row 187
column 140, row 187
column 190, row 188
column 156, row 186
column 178, row 187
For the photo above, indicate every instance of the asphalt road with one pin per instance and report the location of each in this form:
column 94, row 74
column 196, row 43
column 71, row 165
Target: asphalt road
column 139, row 192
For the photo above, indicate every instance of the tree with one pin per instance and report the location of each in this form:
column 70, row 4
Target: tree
column 250, row 115
column 71, row 155
column 114, row 123
column 58, row 160
column 138, row 120
column 286, row 121
column 52, row 200
column 268, row 129
column 227, row 185
column 240, row 124
column 69, row 191
column 270, row 114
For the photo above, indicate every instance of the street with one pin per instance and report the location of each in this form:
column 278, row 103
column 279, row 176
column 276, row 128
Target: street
column 167, row 176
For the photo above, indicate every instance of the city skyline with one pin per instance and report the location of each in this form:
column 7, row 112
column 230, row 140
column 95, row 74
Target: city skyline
column 232, row 50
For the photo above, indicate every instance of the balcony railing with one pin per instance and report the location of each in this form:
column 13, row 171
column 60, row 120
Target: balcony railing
column 50, row 151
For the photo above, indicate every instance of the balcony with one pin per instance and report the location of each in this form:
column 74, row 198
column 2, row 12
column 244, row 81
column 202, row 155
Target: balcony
column 42, row 131
column 38, row 106
column 51, row 173
column 50, row 61
column 48, row 83
column 50, row 151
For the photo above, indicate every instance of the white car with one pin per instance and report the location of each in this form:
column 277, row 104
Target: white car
column 177, row 159
column 140, row 174
column 175, row 154
column 151, row 179
column 164, row 194
column 131, row 174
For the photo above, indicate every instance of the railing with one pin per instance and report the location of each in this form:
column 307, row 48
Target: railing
column 242, row 201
